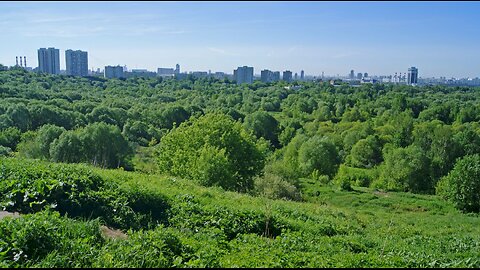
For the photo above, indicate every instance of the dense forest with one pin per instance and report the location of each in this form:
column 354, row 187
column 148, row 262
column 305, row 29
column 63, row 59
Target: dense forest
column 143, row 141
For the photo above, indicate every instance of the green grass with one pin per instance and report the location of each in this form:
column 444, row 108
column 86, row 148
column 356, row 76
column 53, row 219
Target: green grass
column 210, row 227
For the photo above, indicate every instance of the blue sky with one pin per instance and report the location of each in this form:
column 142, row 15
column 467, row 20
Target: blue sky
column 440, row 38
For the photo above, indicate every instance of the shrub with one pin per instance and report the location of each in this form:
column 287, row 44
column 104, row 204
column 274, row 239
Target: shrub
column 355, row 176
column 158, row 248
column 5, row 151
column 462, row 185
column 50, row 239
column 274, row 187
column 187, row 213
column 31, row 186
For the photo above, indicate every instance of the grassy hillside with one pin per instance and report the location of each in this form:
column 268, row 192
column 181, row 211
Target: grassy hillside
column 173, row 222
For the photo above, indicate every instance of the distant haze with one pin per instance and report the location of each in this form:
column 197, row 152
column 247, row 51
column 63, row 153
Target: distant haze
column 439, row 38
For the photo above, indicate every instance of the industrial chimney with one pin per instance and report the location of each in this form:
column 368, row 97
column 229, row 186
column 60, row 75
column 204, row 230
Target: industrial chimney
column 21, row 61
column 25, row 61
column 16, row 60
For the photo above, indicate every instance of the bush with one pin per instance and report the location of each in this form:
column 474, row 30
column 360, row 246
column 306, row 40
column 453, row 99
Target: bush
column 47, row 238
column 10, row 137
column 274, row 187
column 31, row 186
column 355, row 176
column 5, row 151
column 188, row 214
column 462, row 185
column 158, row 248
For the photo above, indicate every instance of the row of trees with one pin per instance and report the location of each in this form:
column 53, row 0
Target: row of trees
column 99, row 144
column 398, row 138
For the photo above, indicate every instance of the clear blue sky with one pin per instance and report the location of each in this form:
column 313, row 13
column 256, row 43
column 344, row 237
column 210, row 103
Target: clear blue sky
column 440, row 38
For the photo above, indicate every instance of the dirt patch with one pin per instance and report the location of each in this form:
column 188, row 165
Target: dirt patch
column 8, row 214
column 112, row 234
column 382, row 193
column 106, row 232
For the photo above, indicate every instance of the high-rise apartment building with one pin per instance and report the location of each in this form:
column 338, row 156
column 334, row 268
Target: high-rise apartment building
column 49, row 60
column 359, row 76
column 276, row 76
column 165, row 72
column 412, row 75
column 269, row 76
column 177, row 69
column 266, row 75
column 243, row 75
column 113, row 72
column 76, row 62
column 352, row 74
column 302, row 75
column 287, row 76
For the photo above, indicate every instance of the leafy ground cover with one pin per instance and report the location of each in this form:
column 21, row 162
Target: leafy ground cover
column 172, row 222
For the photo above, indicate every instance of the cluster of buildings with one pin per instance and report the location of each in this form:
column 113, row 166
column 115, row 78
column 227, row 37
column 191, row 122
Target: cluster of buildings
column 245, row 75
column 76, row 62
column 411, row 78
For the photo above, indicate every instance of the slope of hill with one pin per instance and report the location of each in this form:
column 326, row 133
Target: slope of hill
column 173, row 222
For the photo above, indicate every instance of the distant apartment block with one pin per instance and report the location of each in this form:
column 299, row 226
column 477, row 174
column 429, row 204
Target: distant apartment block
column 302, row 75
column 165, row 72
column 412, row 75
column 114, row 72
column 269, row 76
column 219, row 75
column 140, row 72
column 287, row 76
column 243, row 75
column 76, row 63
column 276, row 76
column 199, row 74
column 49, row 60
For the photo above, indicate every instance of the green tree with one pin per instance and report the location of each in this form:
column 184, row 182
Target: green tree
column 19, row 116
column 104, row 145
column 468, row 141
column 318, row 154
column 366, row 153
column 289, row 168
column 437, row 141
column 263, row 125
column 403, row 124
column 462, row 185
column 67, row 148
column 212, row 146
column 45, row 136
column 406, row 169
column 10, row 137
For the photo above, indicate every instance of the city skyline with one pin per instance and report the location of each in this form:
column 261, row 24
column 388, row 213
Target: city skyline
column 313, row 36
